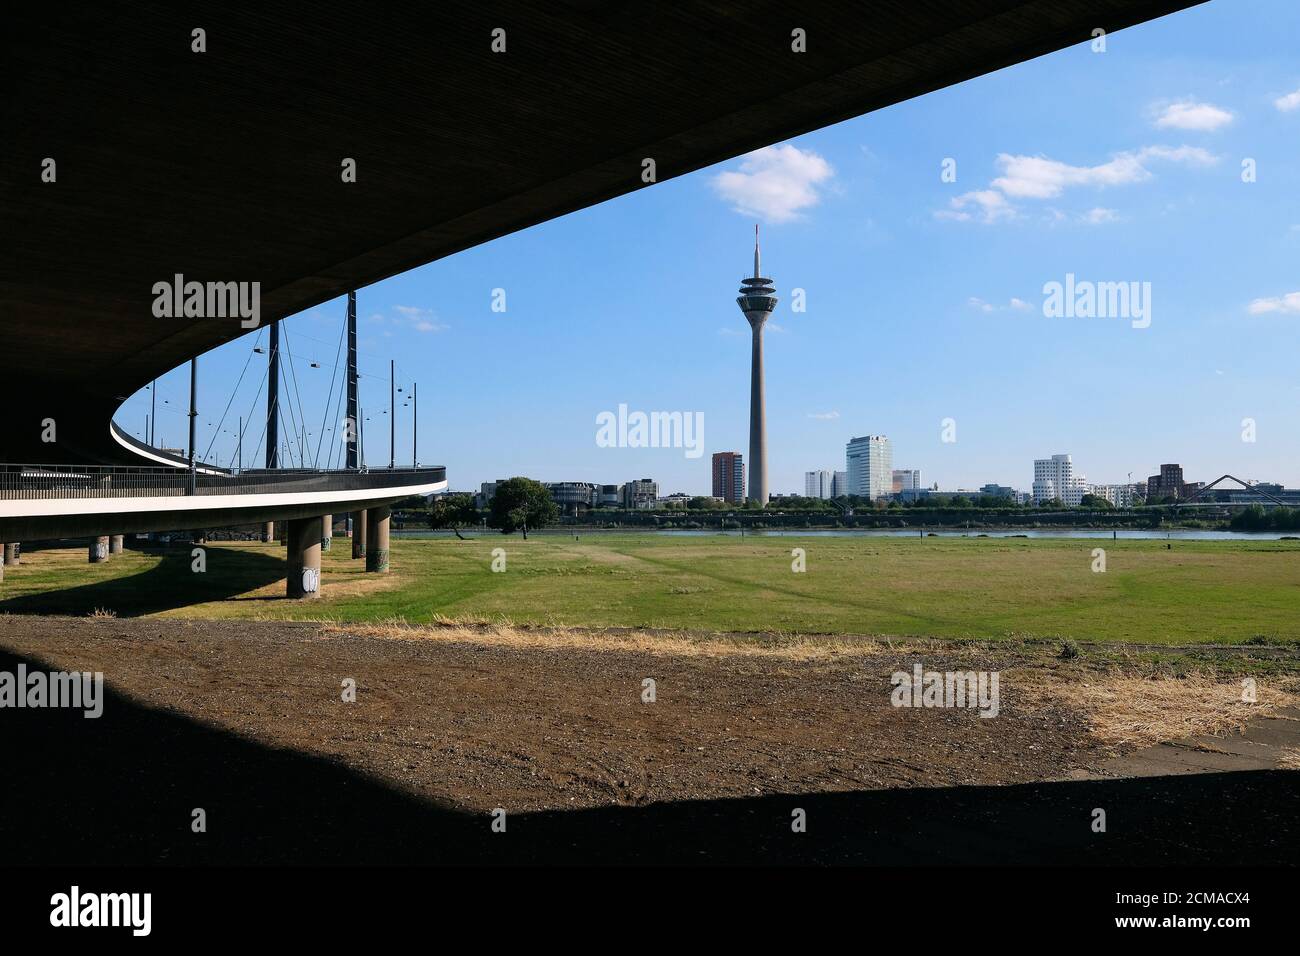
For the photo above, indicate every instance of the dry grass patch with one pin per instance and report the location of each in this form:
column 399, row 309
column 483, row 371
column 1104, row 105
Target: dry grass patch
column 1139, row 711
column 1290, row 759
column 500, row 633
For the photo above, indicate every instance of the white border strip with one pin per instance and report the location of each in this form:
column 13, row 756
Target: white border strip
column 149, row 456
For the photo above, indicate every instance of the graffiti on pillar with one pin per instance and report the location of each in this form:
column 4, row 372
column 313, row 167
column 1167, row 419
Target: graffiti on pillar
column 101, row 551
column 310, row 580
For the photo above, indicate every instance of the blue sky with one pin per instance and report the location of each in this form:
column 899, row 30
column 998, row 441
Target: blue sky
column 924, row 297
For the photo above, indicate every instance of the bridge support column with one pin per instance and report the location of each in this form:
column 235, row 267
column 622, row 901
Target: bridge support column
column 116, row 543
column 268, row 532
column 304, row 540
column 12, row 555
column 358, row 534
column 377, row 539
column 326, row 532
column 99, row 549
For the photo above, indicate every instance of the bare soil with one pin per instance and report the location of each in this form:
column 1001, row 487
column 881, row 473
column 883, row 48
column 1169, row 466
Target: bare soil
column 482, row 725
column 223, row 714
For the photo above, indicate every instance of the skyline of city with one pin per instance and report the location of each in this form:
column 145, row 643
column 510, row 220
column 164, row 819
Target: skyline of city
column 921, row 298
column 1055, row 483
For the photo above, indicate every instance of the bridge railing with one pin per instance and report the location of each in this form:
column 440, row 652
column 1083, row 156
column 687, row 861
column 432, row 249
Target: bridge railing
column 28, row 482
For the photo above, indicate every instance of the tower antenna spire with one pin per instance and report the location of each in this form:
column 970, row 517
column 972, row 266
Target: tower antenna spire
column 756, row 266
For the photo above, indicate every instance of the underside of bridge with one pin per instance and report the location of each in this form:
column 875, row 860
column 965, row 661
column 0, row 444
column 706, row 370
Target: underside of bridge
column 226, row 165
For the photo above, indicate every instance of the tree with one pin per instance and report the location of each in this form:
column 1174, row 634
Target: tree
column 701, row 503
column 1096, row 502
column 452, row 511
column 520, row 504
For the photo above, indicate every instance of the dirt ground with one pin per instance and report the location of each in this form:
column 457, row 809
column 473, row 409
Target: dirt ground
column 468, row 721
column 480, row 725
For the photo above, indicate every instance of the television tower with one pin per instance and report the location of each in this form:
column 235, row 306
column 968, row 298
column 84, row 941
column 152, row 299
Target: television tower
column 757, row 300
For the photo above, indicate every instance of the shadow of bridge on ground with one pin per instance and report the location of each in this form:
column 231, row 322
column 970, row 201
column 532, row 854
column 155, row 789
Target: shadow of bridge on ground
column 169, row 585
column 121, row 789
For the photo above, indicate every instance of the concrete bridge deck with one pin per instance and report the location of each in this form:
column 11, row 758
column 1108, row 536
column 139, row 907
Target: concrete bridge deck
column 50, row 501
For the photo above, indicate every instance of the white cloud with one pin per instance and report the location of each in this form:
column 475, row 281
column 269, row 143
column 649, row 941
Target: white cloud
column 1189, row 114
column 775, row 183
column 1099, row 215
column 1191, row 155
column 1019, row 305
column 1289, row 102
column 1038, row 177
column 824, row 416
column 422, row 320
column 987, row 204
column 1279, row 303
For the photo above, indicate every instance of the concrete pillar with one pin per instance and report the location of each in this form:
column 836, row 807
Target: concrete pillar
column 377, row 539
column 304, row 538
column 358, row 534
column 326, row 532
column 116, row 543
column 99, row 549
column 268, row 532
column 13, row 555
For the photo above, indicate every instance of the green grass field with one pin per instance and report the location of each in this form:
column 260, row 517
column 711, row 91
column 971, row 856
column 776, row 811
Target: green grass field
column 1196, row 592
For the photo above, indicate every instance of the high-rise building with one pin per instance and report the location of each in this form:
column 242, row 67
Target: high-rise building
column 642, row 493
column 817, row 484
column 729, row 476
column 1168, row 484
column 906, row 479
column 839, row 484
column 1055, row 478
column 870, row 462
column 757, row 299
